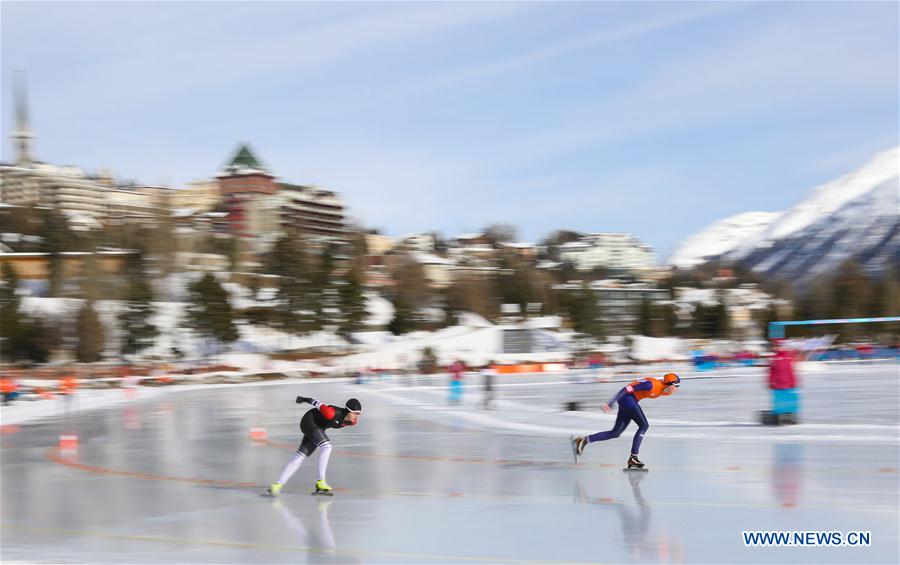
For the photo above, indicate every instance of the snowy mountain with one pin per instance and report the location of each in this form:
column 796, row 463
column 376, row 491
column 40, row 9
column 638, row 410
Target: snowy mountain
column 856, row 216
column 828, row 199
column 721, row 237
column 866, row 229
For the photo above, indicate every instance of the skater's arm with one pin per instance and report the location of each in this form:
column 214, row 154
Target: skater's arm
column 326, row 409
column 643, row 385
column 619, row 396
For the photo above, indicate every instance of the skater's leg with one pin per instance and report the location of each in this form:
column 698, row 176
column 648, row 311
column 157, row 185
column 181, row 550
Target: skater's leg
column 303, row 452
column 643, row 426
column 324, row 455
column 291, row 467
column 622, row 419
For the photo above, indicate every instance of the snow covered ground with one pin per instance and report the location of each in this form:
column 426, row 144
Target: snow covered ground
column 173, row 477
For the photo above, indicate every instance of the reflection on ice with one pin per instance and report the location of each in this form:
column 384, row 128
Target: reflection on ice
column 323, row 541
column 642, row 539
column 787, row 473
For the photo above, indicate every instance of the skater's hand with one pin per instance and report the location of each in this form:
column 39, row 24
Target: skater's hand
column 606, row 408
column 304, row 400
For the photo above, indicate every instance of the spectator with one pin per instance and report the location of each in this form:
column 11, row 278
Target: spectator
column 488, row 373
column 456, row 371
column 10, row 389
column 783, row 383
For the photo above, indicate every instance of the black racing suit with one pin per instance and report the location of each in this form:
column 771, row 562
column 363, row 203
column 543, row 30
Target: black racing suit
column 314, row 423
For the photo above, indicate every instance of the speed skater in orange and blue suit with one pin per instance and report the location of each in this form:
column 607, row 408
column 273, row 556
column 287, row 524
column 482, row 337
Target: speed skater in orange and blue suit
column 629, row 410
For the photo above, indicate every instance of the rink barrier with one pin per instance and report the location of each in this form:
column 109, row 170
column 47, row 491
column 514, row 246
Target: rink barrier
column 777, row 329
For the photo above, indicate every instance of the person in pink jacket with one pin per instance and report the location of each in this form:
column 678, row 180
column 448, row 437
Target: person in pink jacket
column 781, row 370
column 783, row 382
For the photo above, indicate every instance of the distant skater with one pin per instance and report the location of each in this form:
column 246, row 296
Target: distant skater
column 313, row 425
column 630, row 410
column 456, row 386
column 488, row 372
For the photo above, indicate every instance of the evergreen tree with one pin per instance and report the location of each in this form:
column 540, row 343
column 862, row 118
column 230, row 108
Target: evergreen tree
column 700, row 321
column 90, row 275
column 853, row 293
column 323, row 268
column 669, row 318
column 403, row 320
column 655, row 319
column 451, row 314
column 21, row 337
column 139, row 332
column 352, row 305
column 56, row 238
column 412, row 284
column 584, row 312
column 326, row 293
column 514, row 281
column 12, row 331
column 711, row 321
column 161, row 242
column 887, row 302
column 295, row 301
column 544, row 291
column 90, row 334
column 48, row 336
column 645, row 319
column 720, row 322
column 210, row 312
column 817, row 302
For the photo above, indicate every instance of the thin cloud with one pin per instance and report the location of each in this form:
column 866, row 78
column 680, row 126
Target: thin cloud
column 449, row 78
column 768, row 69
column 443, row 80
column 157, row 70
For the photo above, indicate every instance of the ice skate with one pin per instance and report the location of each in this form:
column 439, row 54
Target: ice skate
column 274, row 489
column 578, row 444
column 322, row 489
column 634, row 464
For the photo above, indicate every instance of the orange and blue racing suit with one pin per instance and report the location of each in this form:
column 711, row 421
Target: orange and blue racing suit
column 630, row 410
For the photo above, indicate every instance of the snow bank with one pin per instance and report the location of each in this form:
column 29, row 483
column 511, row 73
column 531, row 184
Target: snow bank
column 658, row 348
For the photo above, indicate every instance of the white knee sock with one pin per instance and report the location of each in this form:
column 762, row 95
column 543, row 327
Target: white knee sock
column 291, row 467
column 324, row 454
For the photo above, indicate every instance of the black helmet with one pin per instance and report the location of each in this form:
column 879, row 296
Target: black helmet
column 353, row 405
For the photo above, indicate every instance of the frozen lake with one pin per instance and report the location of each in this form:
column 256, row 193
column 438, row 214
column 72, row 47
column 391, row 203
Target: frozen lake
column 176, row 478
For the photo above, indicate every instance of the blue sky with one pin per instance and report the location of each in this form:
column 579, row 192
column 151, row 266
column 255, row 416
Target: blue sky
column 651, row 118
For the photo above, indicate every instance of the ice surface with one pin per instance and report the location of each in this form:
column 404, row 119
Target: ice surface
column 175, row 478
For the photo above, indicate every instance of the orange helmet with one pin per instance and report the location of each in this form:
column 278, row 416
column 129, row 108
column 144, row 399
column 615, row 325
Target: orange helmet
column 671, row 379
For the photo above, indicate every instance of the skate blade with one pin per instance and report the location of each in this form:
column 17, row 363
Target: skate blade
column 633, row 470
column 322, row 493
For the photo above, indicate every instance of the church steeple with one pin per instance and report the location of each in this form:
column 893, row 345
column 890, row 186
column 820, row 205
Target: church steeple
column 22, row 135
